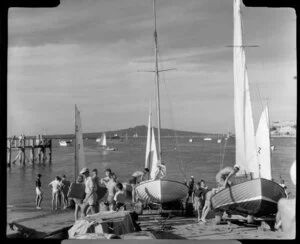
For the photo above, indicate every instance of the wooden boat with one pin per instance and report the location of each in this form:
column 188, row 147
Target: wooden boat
column 65, row 143
column 257, row 195
column 161, row 191
column 158, row 189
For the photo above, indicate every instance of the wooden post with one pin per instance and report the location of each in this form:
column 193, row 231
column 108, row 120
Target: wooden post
column 50, row 151
column 9, row 153
column 23, row 151
column 31, row 142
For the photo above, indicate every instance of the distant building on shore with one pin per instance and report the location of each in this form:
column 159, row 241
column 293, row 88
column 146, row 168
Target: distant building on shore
column 286, row 128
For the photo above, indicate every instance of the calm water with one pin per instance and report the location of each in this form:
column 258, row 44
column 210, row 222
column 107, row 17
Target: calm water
column 202, row 159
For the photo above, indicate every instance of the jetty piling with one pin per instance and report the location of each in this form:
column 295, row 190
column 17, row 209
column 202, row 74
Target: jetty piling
column 28, row 143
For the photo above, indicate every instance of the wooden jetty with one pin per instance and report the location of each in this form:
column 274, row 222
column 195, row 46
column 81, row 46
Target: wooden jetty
column 35, row 148
column 49, row 225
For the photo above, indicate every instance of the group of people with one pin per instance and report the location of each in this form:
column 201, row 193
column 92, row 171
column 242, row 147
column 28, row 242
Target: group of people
column 115, row 193
column 201, row 195
column 59, row 186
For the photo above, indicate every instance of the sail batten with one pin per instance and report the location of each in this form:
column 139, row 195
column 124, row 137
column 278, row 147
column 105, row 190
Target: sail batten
column 246, row 155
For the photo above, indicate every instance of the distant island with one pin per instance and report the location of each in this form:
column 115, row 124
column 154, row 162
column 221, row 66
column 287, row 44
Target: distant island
column 277, row 129
column 137, row 131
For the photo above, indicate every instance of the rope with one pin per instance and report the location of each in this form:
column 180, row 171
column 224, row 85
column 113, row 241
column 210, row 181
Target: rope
column 181, row 168
column 224, row 150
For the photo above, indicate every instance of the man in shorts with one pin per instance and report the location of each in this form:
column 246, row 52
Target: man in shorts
column 56, row 187
column 38, row 190
column 90, row 192
column 197, row 197
column 207, row 204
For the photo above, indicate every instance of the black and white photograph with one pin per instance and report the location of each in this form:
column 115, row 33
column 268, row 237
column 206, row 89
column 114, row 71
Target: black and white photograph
column 151, row 119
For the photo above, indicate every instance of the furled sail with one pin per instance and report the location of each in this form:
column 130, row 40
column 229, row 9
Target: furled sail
column 263, row 145
column 148, row 144
column 79, row 152
column 153, row 156
column 246, row 155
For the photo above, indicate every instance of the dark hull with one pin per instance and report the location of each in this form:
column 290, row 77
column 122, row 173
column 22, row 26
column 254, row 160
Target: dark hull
column 258, row 197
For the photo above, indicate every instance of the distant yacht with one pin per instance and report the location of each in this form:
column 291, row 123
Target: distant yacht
column 103, row 143
column 135, row 135
column 219, row 140
column 65, row 143
column 207, row 139
column 191, row 140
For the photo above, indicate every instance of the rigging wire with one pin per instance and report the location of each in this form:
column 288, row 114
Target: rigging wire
column 181, row 168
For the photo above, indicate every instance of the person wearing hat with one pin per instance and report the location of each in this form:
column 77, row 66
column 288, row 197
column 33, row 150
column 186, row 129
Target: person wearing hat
column 225, row 174
column 39, row 193
column 136, row 178
column 90, row 192
column 160, row 172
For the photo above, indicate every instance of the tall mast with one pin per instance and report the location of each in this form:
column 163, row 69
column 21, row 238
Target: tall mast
column 75, row 149
column 157, row 85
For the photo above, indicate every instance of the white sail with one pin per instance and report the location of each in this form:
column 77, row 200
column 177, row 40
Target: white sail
column 103, row 140
column 263, row 145
column 79, row 152
column 148, row 145
column 153, row 156
column 246, row 155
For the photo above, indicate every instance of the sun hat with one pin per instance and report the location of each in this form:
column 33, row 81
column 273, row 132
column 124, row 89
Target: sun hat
column 84, row 170
column 236, row 166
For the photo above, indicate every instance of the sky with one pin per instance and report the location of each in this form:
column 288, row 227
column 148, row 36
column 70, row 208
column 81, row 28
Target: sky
column 93, row 53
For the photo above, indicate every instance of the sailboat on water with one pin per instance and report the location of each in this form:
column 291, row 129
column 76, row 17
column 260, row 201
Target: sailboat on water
column 103, row 143
column 158, row 189
column 253, row 192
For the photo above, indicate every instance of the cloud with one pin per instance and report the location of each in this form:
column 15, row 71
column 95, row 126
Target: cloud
column 90, row 52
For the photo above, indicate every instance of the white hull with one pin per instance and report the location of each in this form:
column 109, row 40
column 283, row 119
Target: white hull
column 207, row 139
column 64, row 143
column 219, row 141
column 161, row 191
column 98, row 139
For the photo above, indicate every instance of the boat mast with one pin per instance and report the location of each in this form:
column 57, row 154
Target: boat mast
column 269, row 125
column 75, row 149
column 157, row 85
